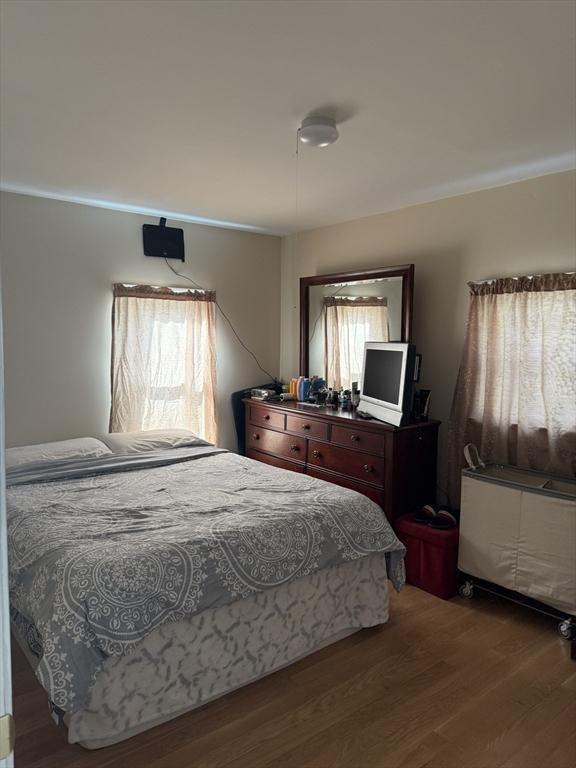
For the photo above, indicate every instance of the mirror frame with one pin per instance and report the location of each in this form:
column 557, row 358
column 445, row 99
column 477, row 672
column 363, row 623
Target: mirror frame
column 405, row 271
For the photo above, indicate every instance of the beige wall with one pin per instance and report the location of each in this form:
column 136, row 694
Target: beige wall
column 511, row 230
column 59, row 261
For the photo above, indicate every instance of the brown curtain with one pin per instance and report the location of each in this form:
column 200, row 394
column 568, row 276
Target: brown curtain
column 350, row 322
column 515, row 395
column 163, row 360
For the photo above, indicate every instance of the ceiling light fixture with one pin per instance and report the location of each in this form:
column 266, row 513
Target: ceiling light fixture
column 318, row 131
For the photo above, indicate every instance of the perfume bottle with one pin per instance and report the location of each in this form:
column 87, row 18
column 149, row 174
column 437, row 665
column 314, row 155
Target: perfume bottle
column 355, row 395
column 346, row 400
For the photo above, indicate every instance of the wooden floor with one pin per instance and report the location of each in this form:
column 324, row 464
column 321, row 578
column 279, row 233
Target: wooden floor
column 458, row 684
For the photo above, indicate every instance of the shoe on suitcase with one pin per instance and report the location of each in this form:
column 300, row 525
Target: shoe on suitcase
column 443, row 520
column 425, row 514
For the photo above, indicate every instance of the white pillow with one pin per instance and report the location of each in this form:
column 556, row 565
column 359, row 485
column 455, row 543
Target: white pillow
column 149, row 440
column 44, row 453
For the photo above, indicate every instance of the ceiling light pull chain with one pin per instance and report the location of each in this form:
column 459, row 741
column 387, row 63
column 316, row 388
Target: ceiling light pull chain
column 294, row 249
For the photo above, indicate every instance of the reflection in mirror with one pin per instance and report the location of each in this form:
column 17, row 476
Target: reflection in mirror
column 345, row 315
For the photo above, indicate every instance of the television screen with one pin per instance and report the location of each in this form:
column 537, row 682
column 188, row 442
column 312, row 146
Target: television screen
column 383, row 375
column 166, row 242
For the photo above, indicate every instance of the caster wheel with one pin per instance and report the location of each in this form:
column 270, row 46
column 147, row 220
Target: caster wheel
column 467, row 590
column 566, row 629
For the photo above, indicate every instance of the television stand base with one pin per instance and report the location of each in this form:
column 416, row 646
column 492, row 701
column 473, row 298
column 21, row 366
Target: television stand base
column 380, row 412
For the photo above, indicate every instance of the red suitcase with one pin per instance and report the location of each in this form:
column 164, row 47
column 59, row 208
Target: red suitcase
column 431, row 556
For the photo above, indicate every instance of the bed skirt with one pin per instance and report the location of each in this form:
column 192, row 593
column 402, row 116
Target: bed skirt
column 185, row 665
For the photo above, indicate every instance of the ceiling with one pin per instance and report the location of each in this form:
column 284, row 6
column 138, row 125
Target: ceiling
column 192, row 107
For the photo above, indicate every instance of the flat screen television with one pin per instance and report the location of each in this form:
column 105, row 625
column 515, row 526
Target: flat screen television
column 165, row 242
column 387, row 380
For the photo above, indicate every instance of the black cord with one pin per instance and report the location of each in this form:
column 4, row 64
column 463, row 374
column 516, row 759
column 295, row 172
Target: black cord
column 225, row 316
column 171, row 268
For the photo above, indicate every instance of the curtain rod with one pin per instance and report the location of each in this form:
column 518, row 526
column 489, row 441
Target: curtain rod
column 175, row 288
column 518, row 277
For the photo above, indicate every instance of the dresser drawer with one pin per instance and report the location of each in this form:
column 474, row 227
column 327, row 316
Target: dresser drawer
column 274, row 461
column 376, row 494
column 287, row 446
column 361, row 466
column 307, row 427
column 358, row 439
column 265, row 417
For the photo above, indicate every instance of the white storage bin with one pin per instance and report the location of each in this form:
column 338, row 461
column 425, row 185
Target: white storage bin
column 518, row 530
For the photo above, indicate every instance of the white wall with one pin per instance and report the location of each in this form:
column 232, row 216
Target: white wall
column 59, row 261
column 512, row 230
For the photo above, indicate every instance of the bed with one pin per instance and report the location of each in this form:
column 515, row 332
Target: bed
column 151, row 576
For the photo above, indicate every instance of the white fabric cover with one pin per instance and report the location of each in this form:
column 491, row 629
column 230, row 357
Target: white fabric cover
column 184, row 665
column 521, row 540
column 546, row 568
column 44, row 453
column 148, row 440
column 489, row 525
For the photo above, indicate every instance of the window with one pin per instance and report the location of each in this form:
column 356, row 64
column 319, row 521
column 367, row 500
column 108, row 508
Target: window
column 350, row 322
column 163, row 360
column 515, row 396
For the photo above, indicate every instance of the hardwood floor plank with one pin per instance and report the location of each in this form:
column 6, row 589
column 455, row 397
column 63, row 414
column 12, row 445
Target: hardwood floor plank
column 321, row 736
column 555, row 733
column 507, row 701
column 396, row 723
column 564, row 755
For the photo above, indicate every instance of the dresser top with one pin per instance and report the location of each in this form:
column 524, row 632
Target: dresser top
column 335, row 415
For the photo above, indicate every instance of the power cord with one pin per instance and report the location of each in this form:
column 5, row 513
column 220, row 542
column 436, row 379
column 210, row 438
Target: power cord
column 225, row 316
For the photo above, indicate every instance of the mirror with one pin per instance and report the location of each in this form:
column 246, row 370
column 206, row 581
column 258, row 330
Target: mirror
column 339, row 312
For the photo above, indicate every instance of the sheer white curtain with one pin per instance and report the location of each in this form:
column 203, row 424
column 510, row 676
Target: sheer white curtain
column 163, row 360
column 350, row 322
column 515, row 396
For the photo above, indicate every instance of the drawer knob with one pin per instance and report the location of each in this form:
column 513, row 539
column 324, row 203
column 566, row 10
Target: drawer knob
column 305, row 426
column 294, row 448
column 367, row 468
column 354, row 438
column 316, row 454
column 255, row 436
column 267, row 417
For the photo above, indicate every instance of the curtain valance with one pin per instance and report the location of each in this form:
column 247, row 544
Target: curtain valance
column 561, row 281
column 129, row 290
column 355, row 301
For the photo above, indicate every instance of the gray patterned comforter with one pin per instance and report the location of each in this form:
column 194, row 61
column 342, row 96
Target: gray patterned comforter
column 106, row 550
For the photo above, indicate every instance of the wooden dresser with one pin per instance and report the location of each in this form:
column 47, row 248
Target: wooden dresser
column 394, row 466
